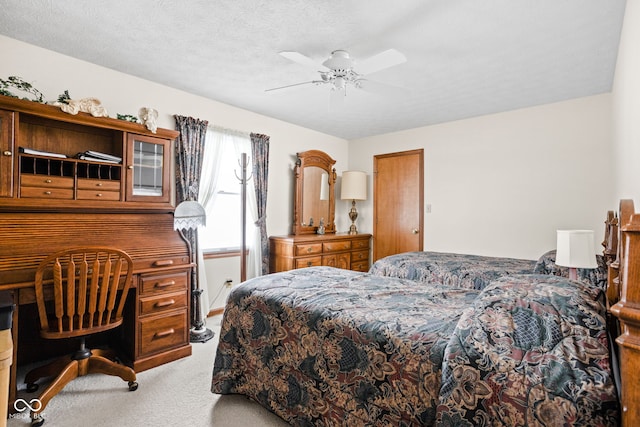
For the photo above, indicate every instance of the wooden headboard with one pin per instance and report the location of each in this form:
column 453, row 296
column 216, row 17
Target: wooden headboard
column 623, row 294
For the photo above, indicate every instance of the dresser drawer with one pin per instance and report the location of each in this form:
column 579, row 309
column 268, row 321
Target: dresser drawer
column 163, row 332
column 360, row 256
column 360, row 266
column 98, row 195
column 46, row 181
column 154, row 283
column 308, row 249
column 312, row 261
column 360, row 244
column 336, row 246
column 47, row 193
column 160, row 303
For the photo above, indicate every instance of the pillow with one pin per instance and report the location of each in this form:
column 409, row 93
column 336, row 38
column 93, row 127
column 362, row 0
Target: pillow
column 595, row 276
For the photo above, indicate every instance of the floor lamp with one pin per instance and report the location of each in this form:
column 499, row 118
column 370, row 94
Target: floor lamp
column 189, row 215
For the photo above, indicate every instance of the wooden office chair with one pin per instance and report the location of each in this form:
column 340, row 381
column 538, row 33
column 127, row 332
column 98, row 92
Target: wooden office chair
column 79, row 292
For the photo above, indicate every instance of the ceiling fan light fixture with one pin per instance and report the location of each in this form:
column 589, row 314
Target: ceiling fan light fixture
column 339, row 60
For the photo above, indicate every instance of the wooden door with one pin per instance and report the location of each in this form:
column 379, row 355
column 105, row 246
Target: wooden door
column 398, row 197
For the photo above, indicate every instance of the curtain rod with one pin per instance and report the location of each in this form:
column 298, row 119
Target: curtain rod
column 230, row 131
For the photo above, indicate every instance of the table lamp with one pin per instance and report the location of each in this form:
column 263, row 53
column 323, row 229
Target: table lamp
column 575, row 249
column 354, row 187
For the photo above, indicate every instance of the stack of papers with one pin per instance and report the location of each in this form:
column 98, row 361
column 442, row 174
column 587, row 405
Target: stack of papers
column 96, row 156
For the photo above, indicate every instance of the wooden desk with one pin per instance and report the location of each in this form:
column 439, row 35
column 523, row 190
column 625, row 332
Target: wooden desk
column 149, row 336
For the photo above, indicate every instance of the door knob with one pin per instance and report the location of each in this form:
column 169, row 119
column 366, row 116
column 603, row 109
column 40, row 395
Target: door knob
column 415, row 231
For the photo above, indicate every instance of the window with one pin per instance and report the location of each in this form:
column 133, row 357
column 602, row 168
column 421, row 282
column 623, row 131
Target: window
column 222, row 232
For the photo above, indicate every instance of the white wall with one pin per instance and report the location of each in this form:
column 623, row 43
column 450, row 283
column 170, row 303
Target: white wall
column 626, row 108
column 53, row 73
column 502, row 184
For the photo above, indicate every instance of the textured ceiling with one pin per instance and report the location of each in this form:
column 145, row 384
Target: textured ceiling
column 464, row 57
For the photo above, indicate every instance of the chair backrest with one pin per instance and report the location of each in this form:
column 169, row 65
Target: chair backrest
column 82, row 290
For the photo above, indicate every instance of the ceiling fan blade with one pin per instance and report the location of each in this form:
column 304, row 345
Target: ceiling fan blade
column 379, row 88
column 294, row 85
column 303, row 60
column 380, row 61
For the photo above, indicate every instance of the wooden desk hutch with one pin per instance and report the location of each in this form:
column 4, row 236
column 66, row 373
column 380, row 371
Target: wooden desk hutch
column 49, row 203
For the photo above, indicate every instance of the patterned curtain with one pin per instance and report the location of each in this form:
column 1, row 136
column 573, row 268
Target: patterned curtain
column 260, row 155
column 189, row 154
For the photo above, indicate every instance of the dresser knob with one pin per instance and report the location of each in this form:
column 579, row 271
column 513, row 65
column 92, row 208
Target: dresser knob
column 48, row 193
column 99, row 195
column 7, row 153
column 48, row 181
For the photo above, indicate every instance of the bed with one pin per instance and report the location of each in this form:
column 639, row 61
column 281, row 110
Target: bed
column 476, row 271
column 324, row 346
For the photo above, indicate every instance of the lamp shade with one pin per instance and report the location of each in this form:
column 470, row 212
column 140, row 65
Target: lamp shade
column 189, row 215
column 354, row 185
column 575, row 249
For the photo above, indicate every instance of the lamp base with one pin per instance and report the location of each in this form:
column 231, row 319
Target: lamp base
column 353, row 215
column 573, row 273
column 200, row 335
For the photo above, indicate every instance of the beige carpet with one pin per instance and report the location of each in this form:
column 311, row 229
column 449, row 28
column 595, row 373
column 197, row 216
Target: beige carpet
column 175, row 394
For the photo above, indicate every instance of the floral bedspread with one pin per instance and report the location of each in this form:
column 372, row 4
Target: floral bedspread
column 533, row 351
column 324, row 346
column 456, row 270
column 596, row 276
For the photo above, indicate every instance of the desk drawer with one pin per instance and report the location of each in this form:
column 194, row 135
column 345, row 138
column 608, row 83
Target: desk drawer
column 98, row 195
column 313, row 261
column 336, row 246
column 47, row 193
column 46, row 181
column 159, row 333
column 170, row 282
column 309, row 249
column 98, row 184
column 161, row 303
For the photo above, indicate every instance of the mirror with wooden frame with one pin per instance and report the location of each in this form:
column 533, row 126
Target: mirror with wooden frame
column 314, row 197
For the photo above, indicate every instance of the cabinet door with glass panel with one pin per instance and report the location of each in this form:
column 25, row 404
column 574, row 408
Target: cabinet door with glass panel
column 148, row 168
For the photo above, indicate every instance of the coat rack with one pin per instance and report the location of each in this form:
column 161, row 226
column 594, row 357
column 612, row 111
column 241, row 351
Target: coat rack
column 244, row 179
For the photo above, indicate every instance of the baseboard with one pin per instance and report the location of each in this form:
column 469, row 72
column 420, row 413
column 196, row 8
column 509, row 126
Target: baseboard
column 215, row 312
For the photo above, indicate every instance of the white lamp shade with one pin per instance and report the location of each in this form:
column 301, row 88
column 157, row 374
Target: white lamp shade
column 575, row 249
column 354, row 185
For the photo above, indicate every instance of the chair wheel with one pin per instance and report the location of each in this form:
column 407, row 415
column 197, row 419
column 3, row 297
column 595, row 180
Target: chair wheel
column 31, row 387
column 37, row 422
column 133, row 386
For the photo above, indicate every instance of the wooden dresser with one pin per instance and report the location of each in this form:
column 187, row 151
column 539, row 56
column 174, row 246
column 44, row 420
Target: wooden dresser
column 348, row 251
column 52, row 198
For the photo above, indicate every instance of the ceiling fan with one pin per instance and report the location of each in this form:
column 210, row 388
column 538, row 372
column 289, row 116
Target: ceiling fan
column 340, row 72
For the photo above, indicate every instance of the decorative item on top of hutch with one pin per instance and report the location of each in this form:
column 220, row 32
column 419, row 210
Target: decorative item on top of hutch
column 314, row 240
column 68, row 178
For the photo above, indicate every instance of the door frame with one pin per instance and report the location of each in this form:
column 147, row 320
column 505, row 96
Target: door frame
column 420, row 153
